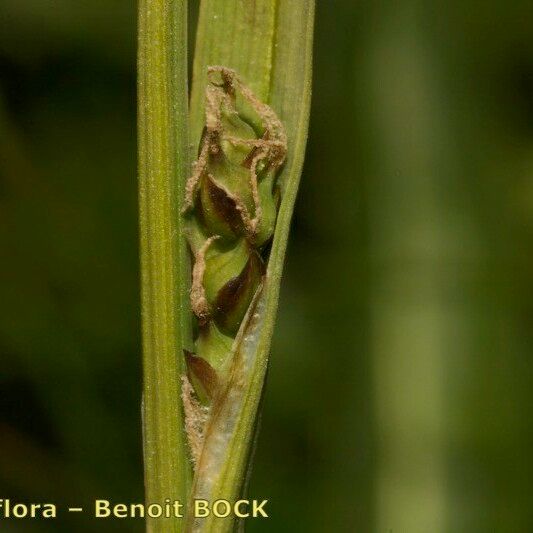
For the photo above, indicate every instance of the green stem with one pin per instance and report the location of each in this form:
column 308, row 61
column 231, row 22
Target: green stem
column 163, row 169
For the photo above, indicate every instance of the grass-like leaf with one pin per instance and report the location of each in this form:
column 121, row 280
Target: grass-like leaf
column 268, row 43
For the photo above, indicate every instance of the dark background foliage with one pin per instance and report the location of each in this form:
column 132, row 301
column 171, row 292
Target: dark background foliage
column 400, row 391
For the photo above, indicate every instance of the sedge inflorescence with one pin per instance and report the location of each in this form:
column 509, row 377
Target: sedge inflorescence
column 231, row 205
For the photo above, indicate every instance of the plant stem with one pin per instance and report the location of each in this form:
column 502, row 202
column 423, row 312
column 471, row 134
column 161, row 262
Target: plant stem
column 163, row 169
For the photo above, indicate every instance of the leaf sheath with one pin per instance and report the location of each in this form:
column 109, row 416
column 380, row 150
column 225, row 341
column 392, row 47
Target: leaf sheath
column 278, row 68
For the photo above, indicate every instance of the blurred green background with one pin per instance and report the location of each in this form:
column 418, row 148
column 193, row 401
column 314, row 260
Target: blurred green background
column 401, row 385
